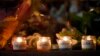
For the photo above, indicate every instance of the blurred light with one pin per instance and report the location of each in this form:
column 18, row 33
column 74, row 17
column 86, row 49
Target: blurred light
column 19, row 39
column 65, row 38
column 89, row 38
column 44, row 39
column 91, row 9
column 41, row 15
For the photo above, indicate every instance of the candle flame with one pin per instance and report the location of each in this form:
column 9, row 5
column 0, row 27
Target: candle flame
column 19, row 39
column 44, row 39
column 65, row 38
column 88, row 37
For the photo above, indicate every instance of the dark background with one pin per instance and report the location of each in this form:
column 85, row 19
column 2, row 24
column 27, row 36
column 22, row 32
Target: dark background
column 9, row 5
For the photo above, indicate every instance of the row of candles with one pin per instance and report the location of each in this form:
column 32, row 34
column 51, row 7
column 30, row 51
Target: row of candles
column 44, row 43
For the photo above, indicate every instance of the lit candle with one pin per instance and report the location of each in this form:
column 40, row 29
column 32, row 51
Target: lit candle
column 65, row 42
column 19, row 43
column 44, row 44
column 87, row 42
column 66, row 38
column 44, row 40
column 19, row 40
column 89, row 38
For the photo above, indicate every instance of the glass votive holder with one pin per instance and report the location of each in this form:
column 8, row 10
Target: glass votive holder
column 44, row 44
column 88, row 42
column 65, row 42
column 19, row 43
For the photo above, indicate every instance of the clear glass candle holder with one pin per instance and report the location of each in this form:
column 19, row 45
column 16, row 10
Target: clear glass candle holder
column 44, row 44
column 65, row 42
column 88, row 42
column 19, row 43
